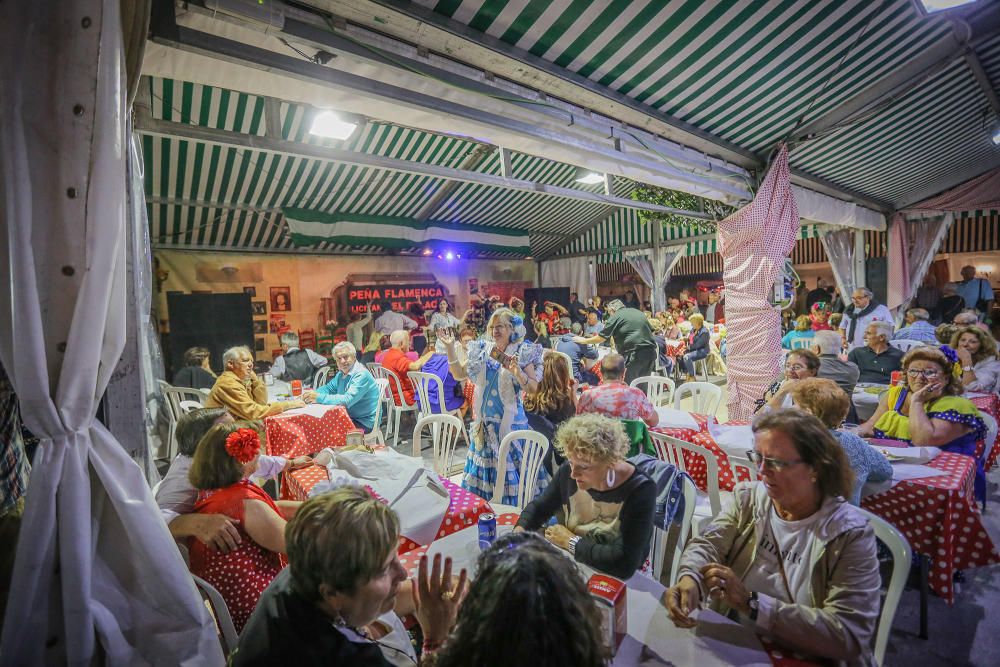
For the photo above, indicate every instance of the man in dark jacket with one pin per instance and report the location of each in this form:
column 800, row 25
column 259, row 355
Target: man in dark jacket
column 633, row 339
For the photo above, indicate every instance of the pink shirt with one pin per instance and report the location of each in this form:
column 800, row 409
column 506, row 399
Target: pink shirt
column 617, row 400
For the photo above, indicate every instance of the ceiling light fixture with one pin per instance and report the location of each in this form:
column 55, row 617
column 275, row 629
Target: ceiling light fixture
column 928, row 7
column 588, row 177
column 328, row 124
column 996, row 135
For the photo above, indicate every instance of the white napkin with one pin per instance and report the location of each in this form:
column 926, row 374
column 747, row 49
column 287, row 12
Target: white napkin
column 903, row 471
column 731, row 439
column 910, row 454
column 671, row 418
column 316, row 410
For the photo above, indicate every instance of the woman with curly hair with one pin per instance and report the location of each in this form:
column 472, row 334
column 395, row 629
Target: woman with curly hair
column 524, row 590
column 223, row 462
column 927, row 408
column 602, row 503
column 977, row 351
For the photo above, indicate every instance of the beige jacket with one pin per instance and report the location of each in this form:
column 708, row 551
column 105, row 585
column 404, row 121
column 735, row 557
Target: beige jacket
column 244, row 401
column 840, row 622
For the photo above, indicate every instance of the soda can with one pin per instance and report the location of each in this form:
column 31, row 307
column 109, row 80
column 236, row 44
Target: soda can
column 487, row 530
column 296, row 388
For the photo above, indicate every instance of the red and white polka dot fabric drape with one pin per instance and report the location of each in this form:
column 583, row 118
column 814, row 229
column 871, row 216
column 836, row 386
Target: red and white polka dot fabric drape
column 754, row 243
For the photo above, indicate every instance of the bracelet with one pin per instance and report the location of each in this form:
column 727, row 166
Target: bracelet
column 966, row 369
column 571, row 545
column 430, row 646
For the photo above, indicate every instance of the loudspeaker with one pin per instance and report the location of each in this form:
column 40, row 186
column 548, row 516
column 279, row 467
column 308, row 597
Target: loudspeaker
column 214, row 321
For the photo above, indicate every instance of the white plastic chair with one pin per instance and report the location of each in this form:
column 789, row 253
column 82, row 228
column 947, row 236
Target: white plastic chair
column 738, row 462
column 536, row 446
column 901, row 561
column 172, row 398
column 708, row 504
column 323, row 376
column 223, row 620
column 801, row 344
column 906, row 344
column 445, row 431
column 658, row 559
column 376, row 436
column 706, row 397
column 188, row 406
column 659, row 390
column 989, row 440
column 380, row 373
column 701, row 365
column 397, row 410
column 422, row 382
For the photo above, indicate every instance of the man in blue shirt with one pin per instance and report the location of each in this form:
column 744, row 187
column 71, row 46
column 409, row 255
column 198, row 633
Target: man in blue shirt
column 353, row 387
column 975, row 291
column 918, row 327
column 577, row 352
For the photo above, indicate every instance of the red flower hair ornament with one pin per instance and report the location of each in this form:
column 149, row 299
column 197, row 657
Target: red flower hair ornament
column 243, row 444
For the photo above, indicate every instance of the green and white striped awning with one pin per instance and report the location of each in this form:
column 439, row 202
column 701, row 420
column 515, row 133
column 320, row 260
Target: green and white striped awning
column 750, row 72
column 204, row 195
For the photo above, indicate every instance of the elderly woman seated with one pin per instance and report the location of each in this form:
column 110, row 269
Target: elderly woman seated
column 334, row 603
column 789, row 555
column 799, row 365
column 927, row 408
column 603, row 505
column 830, row 404
column 240, row 391
column 977, row 352
column 524, row 591
column 226, row 457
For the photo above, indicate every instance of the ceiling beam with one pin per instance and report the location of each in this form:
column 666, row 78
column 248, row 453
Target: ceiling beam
column 950, row 180
column 566, row 143
column 983, row 79
column 925, row 66
column 422, row 26
column 472, row 162
column 149, row 126
column 598, row 218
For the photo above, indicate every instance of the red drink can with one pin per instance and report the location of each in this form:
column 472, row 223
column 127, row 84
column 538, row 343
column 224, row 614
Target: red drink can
column 610, row 596
column 296, row 387
column 896, row 377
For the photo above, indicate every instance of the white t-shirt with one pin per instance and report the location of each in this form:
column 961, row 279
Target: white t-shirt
column 791, row 542
column 879, row 314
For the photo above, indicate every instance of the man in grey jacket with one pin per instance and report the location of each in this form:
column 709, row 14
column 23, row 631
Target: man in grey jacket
column 827, row 344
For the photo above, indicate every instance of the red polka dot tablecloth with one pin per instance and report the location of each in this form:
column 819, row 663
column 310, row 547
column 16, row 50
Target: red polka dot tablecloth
column 463, row 509
column 411, row 559
column 297, row 434
column 990, row 404
column 940, row 518
column 695, row 465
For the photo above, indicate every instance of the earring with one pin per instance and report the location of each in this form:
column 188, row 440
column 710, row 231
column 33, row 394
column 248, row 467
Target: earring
column 610, row 477
column 813, row 480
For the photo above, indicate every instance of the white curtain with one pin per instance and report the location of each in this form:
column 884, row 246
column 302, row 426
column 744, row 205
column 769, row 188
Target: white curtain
column 577, row 273
column 669, row 256
column 839, row 245
column 94, row 561
column 925, row 234
column 642, row 262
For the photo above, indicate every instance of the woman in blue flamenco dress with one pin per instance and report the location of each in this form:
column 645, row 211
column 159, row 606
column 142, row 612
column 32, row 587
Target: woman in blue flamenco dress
column 501, row 365
column 929, row 410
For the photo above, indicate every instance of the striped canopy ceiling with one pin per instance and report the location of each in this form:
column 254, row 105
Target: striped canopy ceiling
column 749, row 72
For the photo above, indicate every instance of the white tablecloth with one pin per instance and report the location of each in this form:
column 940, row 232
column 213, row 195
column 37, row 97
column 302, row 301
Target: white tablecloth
column 279, row 391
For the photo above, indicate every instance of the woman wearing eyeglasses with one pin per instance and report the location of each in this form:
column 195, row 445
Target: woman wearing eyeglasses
column 789, row 555
column 799, row 365
column 928, row 409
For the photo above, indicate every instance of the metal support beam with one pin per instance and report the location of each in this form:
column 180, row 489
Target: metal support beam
column 506, row 169
column 917, row 71
column 972, row 60
column 585, row 147
column 272, row 117
column 152, row 127
column 639, row 246
column 598, row 218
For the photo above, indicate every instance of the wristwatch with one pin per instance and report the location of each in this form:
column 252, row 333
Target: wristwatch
column 754, row 605
column 966, row 369
column 571, row 545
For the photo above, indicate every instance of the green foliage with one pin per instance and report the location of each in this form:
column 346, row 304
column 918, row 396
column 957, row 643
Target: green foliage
column 650, row 194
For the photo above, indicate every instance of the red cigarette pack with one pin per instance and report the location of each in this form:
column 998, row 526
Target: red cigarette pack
column 610, row 596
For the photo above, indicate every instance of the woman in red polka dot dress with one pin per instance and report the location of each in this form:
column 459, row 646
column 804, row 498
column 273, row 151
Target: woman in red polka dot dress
column 224, row 460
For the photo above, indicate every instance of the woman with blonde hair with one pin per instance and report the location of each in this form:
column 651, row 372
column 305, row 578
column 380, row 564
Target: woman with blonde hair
column 803, row 330
column 977, row 352
column 602, row 503
column 501, row 366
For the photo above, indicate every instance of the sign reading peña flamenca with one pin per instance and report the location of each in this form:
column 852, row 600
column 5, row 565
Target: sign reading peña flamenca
column 401, row 296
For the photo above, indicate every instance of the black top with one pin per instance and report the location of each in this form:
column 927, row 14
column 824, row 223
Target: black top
column 298, row 366
column 876, row 368
column 616, row 524
column 574, row 311
column 194, row 377
column 630, row 330
column 816, row 295
column 286, row 629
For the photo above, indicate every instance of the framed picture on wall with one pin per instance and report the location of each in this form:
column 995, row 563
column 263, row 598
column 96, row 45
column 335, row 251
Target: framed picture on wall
column 260, row 326
column 258, row 344
column 252, row 291
column 281, row 299
column 259, row 307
